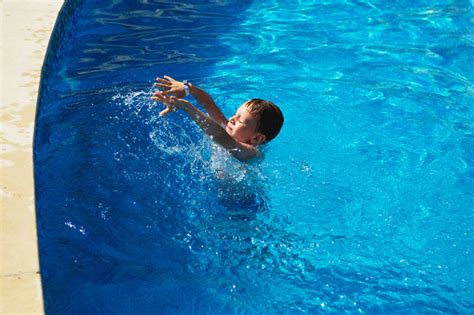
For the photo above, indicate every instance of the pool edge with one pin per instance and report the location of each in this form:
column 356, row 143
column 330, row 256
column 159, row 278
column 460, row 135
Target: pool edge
column 26, row 28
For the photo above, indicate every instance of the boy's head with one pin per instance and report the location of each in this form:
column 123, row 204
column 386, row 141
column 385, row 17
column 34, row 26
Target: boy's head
column 256, row 121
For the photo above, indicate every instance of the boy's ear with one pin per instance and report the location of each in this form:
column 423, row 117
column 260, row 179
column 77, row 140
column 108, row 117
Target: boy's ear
column 258, row 138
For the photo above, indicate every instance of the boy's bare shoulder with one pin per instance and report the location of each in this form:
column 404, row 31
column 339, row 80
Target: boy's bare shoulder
column 245, row 152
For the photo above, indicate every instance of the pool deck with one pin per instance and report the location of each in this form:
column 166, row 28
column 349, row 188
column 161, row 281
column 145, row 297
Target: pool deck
column 26, row 27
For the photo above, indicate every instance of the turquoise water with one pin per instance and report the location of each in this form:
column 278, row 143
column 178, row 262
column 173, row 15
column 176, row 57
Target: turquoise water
column 363, row 204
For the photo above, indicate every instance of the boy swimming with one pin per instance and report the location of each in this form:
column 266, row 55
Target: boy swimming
column 255, row 121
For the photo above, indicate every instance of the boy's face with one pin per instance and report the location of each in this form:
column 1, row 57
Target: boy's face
column 242, row 127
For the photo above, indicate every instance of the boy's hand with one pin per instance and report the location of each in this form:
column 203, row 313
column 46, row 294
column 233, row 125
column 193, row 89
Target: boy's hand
column 172, row 103
column 170, row 86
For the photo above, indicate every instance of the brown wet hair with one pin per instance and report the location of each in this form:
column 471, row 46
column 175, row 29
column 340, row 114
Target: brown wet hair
column 271, row 118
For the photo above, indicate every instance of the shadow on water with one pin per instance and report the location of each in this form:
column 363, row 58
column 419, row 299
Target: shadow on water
column 135, row 193
column 119, row 191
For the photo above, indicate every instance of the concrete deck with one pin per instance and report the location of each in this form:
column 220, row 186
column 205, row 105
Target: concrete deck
column 26, row 26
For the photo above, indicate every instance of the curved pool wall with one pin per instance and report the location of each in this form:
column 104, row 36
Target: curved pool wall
column 26, row 29
column 362, row 205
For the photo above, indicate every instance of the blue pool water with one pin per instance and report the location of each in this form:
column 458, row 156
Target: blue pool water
column 363, row 204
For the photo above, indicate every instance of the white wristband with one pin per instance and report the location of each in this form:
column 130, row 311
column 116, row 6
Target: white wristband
column 186, row 88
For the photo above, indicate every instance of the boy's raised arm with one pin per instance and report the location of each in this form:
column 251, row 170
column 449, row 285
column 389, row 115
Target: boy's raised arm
column 239, row 150
column 177, row 88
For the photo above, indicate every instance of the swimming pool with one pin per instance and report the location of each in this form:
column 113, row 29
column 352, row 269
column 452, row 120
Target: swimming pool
column 364, row 202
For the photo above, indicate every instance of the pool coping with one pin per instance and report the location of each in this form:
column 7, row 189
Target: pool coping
column 26, row 28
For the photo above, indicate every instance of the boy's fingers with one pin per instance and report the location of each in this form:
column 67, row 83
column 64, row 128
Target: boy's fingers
column 168, row 78
column 158, row 97
column 161, row 85
column 158, row 93
column 162, row 80
column 169, row 91
column 165, row 112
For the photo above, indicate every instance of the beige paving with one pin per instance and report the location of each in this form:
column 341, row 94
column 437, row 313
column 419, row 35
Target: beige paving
column 26, row 26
